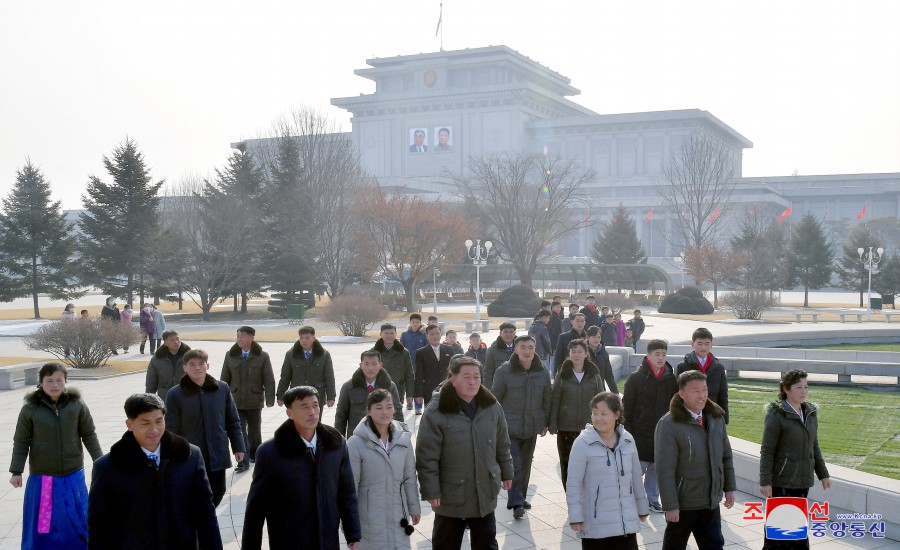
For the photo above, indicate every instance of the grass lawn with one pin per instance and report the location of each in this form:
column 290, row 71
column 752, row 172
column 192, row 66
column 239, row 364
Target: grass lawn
column 858, row 428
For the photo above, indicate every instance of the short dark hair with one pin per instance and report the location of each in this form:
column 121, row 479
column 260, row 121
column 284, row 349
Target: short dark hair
column 591, row 297
column 545, row 303
column 432, row 318
column 449, row 332
column 523, row 338
column 474, row 335
column 543, row 313
column 637, row 311
column 656, row 344
column 459, row 361
column 573, row 305
column 369, row 353
column 49, row 369
column 788, row 379
column 433, row 327
column 415, row 316
column 577, row 315
column 689, row 376
column 387, row 326
column 195, row 354
column 299, row 393
column 247, row 330
column 506, row 325
column 83, row 311
column 593, row 330
column 140, row 403
column 378, row 396
column 168, row 334
column 444, row 130
column 556, row 304
column 612, row 401
column 701, row 333
column 306, row 329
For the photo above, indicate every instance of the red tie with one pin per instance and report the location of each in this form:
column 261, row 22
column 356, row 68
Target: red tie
column 371, row 387
column 700, row 420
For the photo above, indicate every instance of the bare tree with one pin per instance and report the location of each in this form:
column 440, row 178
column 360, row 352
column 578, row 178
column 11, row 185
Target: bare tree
column 525, row 202
column 407, row 237
column 712, row 264
column 209, row 234
column 696, row 186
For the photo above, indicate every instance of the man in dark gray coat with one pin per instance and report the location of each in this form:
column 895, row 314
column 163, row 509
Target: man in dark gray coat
column 540, row 331
column 248, row 371
column 697, row 468
column 499, row 352
column 307, row 363
column 397, row 362
column 522, row 386
column 462, row 454
column 201, row 410
column 164, row 370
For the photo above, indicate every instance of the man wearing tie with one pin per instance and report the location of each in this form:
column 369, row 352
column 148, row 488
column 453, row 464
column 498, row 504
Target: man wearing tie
column 418, row 145
column 248, row 371
column 370, row 376
column 432, row 361
column 307, row 364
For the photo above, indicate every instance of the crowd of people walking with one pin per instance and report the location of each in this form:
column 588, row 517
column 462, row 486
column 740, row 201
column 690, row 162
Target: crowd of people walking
column 662, row 447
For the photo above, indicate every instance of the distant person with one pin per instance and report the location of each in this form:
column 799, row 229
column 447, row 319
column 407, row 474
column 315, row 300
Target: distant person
column 701, row 358
column 605, row 498
column 499, row 352
column 789, row 456
column 418, row 145
column 307, row 363
column 562, row 345
column 637, row 328
column 413, row 339
column 68, row 314
column 85, row 314
column 432, row 361
column 629, row 338
column 370, row 376
column 151, row 490
column 111, row 313
column 609, row 332
column 648, row 392
column 540, row 331
column 450, row 340
column 443, row 140
column 160, row 321
column 566, row 324
column 303, row 488
column 620, row 330
column 164, row 370
column 53, row 425
column 555, row 327
column 247, row 370
column 148, row 328
column 384, row 469
column 591, row 313
column 605, row 313
column 202, row 410
column 600, row 357
column 695, row 468
column 126, row 317
column 432, row 321
column 463, row 459
column 477, row 349
column 397, row 362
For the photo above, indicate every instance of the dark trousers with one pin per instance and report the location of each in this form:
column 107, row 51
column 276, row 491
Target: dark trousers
column 217, row 484
column 621, row 542
column 705, row 525
column 153, row 341
column 787, row 544
column 564, row 442
column 448, row 532
column 522, row 451
column 251, row 426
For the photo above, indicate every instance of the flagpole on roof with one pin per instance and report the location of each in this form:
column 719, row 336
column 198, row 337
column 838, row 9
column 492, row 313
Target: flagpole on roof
column 440, row 26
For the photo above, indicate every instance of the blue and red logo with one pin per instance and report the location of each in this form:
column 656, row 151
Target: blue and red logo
column 787, row 518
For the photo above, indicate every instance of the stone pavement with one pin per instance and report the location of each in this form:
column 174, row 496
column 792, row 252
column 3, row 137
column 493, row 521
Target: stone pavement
column 543, row 527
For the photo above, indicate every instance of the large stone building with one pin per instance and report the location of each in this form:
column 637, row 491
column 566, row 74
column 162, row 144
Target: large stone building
column 430, row 113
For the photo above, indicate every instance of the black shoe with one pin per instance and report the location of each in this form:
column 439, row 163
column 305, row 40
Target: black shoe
column 252, row 460
column 519, row 512
column 241, row 468
column 526, row 505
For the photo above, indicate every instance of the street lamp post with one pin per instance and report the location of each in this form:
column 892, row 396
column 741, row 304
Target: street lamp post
column 870, row 261
column 680, row 261
column 434, row 297
column 479, row 255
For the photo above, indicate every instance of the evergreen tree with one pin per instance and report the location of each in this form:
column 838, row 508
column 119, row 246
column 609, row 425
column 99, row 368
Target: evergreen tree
column 119, row 222
column 888, row 282
column 762, row 244
column 617, row 242
column 809, row 257
column 37, row 243
column 851, row 271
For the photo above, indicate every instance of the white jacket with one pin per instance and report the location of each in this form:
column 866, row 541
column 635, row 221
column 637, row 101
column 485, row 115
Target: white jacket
column 604, row 490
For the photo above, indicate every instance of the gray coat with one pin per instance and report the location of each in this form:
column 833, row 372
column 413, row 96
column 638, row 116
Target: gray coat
column 605, row 488
column 496, row 355
column 351, row 406
column 206, row 416
column 251, row 380
column 686, row 479
column 386, row 485
column 463, row 461
column 318, row 372
column 398, row 363
column 160, row 321
column 162, row 374
column 570, row 406
column 541, row 334
column 790, row 447
column 525, row 396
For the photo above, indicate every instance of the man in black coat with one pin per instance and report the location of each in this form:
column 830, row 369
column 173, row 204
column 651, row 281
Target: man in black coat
column 555, row 325
column 702, row 359
column 150, row 490
column 303, row 486
column 591, row 313
column 352, row 402
column 432, row 362
column 562, row 345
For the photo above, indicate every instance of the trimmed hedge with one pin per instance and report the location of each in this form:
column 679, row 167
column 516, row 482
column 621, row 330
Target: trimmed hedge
column 515, row 301
column 688, row 300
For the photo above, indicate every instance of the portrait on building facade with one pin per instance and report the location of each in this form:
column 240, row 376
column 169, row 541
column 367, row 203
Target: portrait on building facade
column 443, row 140
column 417, row 140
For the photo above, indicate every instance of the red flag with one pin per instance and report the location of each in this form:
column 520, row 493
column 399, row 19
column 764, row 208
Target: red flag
column 714, row 215
column 648, row 216
column 862, row 213
column 587, row 215
column 787, row 212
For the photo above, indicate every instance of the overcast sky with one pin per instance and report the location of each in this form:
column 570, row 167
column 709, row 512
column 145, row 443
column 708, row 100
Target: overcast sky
column 814, row 85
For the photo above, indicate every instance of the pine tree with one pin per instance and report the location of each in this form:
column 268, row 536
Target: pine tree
column 850, row 270
column 119, row 223
column 809, row 258
column 617, row 242
column 37, row 243
column 763, row 245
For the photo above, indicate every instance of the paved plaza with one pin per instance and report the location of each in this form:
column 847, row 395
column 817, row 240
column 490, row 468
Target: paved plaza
column 543, row 527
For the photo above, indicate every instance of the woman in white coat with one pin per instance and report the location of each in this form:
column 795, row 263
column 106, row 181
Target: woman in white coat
column 384, row 469
column 605, row 491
